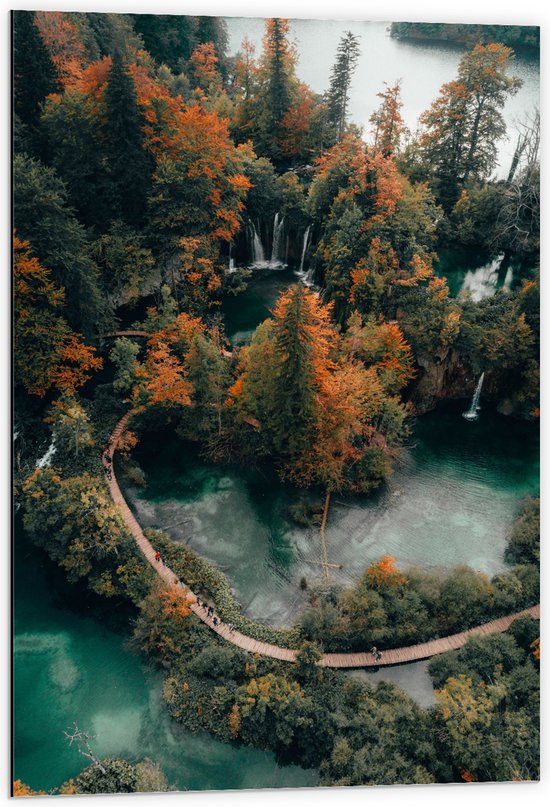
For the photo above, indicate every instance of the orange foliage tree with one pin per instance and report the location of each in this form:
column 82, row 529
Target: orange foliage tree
column 322, row 412
column 21, row 789
column 62, row 38
column 47, row 353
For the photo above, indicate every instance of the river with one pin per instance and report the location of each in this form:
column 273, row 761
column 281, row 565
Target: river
column 422, row 66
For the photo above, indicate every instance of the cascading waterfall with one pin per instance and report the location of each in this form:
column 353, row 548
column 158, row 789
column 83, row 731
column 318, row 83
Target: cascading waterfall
column 46, row 460
column 304, row 247
column 277, row 232
column 231, row 268
column 305, row 277
column 258, row 256
column 471, row 414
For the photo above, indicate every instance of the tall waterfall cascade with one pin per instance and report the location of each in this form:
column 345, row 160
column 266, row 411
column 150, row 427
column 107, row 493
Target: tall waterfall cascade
column 46, row 460
column 258, row 255
column 472, row 413
column 305, row 277
column 276, row 258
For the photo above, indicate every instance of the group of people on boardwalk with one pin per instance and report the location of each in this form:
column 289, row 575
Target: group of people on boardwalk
column 375, row 652
column 107, row 463
column 216, row 620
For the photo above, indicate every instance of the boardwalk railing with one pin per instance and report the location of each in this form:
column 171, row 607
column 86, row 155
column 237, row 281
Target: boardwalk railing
column 400, row 655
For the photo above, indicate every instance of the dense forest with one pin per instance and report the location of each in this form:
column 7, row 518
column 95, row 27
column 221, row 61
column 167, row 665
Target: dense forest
column 516, row 36
column 148, row 165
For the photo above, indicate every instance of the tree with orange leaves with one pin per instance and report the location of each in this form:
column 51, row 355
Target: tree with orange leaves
column 63, row 40
column 316, row 407
column 47, row 353
column 389, row 126
column 205, row 73
column 21, row 789
column 384, row 574
column 463, row 125
column 297, row 123
column 380, row 345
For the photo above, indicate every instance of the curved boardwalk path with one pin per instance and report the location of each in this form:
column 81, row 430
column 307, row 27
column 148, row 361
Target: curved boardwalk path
column 116, row 334
column 400, row 655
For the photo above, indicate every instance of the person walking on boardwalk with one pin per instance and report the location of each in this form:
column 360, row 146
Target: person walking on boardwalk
column 157, row 556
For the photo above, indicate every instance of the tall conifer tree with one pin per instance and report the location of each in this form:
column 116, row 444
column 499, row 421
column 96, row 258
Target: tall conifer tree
column 347, row 55
column 278, row 68
column 129, row 164
column 34, row 75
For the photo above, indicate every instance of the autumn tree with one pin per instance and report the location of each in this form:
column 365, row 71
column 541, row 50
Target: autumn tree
column 204, row 70
column 47, row 353
column 388, row 123
column 43, row 216
column 464, row 124
column 325, row 415
column 199, row 186
column 347, row 56
column 64, row 43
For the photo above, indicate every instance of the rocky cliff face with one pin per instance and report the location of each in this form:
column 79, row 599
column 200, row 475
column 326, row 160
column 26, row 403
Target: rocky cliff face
column 445, row 376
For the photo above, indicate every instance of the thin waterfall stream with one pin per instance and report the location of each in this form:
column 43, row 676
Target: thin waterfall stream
column 472, row 413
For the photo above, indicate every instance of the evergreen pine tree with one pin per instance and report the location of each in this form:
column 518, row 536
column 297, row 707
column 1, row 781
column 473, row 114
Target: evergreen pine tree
column 347, row 55
column 34, row 75
column 278, row 68
column 295, row 343
column 130, row 166
column 170, row 39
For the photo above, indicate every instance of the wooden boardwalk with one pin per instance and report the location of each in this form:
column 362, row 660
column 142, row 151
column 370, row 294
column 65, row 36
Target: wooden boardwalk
column 116, row 334
column 400, row 655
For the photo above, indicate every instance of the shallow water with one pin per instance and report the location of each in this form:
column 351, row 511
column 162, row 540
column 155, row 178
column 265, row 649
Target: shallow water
column 413, row 678
column 478, row 275
column 452, row 500
column 244, row 312
column 422, row 66
column 70, row 664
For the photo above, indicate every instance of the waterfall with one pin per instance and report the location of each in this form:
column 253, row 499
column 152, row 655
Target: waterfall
column 258, row 256
column 305, row 277
column 304, row 247
column 231, row 268
column 471, row 414
column 46, row 460
column 277, row 232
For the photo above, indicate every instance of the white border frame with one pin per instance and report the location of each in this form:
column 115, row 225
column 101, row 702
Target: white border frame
column 512, row 12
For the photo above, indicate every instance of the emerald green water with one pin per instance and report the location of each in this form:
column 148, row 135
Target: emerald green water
column 244, row 312
column 70, row 664
column 468, row 272
column 452, row 499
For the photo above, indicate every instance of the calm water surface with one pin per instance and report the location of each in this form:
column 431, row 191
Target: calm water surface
column 451, row 500
column 70, row 664
column 423, row 68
